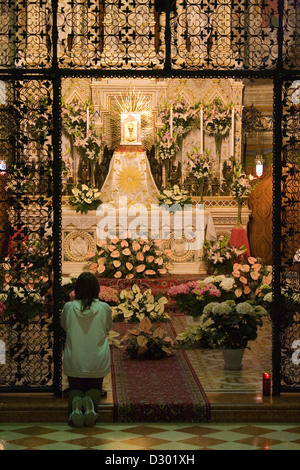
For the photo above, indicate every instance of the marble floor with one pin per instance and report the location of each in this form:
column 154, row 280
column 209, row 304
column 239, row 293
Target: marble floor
column 156, row 437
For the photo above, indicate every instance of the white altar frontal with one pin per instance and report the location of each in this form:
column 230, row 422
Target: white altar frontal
column 182, row 232
column 129, row 178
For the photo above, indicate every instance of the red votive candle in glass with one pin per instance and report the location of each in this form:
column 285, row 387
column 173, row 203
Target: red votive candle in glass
column 266, row 384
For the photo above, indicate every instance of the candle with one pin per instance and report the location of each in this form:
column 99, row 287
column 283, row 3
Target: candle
column 87, row 120
column 2, row 165
column 266, row 384
column 171, row 121
column 232, row 132
column 201, row 131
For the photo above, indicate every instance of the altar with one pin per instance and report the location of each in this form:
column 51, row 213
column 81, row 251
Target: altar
column 146, row 150
column 129, row 178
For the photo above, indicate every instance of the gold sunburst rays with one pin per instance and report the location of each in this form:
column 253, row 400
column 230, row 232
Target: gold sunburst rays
column 130, row 179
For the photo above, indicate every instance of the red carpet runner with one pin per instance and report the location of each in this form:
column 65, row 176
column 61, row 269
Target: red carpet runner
column 164, row 390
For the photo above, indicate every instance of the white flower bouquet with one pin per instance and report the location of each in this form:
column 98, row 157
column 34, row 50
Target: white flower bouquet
column 233, row 325
column 85, row 199
column 220, row 255
column 174, row 198
column 240, row 184
column 199, row 165
column 134, row 305
column 217, row 117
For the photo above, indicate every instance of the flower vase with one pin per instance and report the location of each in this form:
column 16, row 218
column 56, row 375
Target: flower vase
column 218, row 142
column 239, row 213
column 233, row 358
column 201, row 191
column 92, row 173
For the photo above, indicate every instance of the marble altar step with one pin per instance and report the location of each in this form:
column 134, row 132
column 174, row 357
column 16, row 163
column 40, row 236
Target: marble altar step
column 224, row 408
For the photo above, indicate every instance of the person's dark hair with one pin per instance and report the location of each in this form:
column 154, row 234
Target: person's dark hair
column 87, row 288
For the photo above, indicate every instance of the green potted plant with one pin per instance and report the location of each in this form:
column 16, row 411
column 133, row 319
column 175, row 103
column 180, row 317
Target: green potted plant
column 232, row 327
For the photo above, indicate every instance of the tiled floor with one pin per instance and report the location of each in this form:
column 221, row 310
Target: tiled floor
column 158, row 436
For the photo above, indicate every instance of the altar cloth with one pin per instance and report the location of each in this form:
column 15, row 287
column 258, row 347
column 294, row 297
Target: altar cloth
column 129, row 180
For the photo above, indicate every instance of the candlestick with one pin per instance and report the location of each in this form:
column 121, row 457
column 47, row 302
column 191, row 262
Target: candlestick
column 171, row 121
column 266, row 384
column 232, row 132
column 201, row 130
column 87, row 120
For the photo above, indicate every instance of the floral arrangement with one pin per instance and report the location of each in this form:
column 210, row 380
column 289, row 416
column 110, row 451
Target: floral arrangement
column 199, row 165
column 74, row 118
column 240, row 184
column 220, row 255
column 90, row 145
column 252, row 278
column 21, row 304
column 174, row 197
column 134, row 305
column 184, row 119
column 195, row 336
column 147, row 342
column 192, row 296
column 85, row 199
column 233, row 325
column 130, row 258
column 167, row 145
column 184, row 116
column 217, row 117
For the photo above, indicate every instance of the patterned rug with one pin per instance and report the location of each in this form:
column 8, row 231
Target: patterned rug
column 158, row 285
column 165, row 390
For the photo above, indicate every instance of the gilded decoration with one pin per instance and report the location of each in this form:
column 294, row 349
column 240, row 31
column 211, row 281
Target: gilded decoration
column 77, row 244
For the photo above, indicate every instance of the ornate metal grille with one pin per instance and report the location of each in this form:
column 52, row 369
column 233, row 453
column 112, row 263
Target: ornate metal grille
column 41, row 42
column 26, row 137
column 290, row 236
